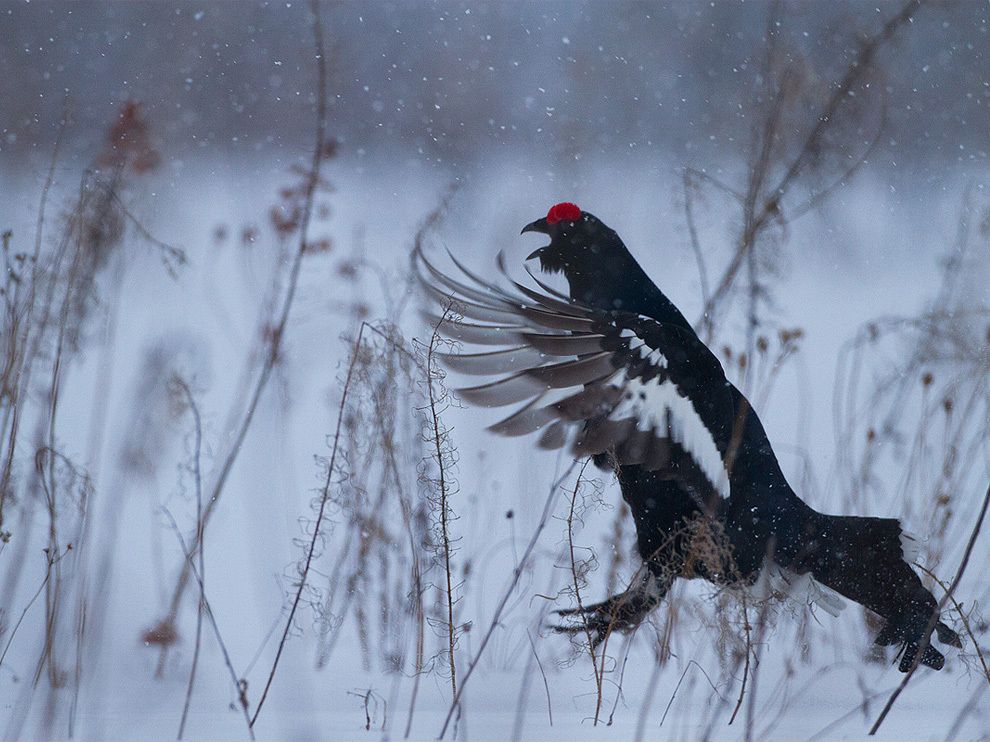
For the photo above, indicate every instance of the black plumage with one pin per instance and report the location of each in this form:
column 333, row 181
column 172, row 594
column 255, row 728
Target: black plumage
column 616, row 372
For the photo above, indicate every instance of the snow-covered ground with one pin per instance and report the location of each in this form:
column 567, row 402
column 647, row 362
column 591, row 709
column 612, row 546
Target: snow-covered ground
column 866, row 254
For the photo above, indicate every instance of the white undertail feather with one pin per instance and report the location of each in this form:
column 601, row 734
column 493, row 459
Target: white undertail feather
column 910, row 546
column 797, row 590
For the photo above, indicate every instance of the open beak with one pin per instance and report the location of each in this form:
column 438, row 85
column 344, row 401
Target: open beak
column 541, row 226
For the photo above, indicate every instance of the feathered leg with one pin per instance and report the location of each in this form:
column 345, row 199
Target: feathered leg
column 867, row 560
column 663, row 512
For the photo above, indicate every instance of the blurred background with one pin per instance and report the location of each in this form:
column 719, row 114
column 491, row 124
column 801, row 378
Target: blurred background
column 447, row 85
column 189, row 261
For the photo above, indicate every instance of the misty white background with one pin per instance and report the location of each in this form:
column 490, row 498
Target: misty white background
column 875, row 249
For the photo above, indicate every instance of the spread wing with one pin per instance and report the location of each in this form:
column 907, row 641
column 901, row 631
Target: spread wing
column 599, row 382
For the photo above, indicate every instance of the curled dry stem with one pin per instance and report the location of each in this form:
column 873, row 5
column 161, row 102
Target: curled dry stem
column 311, row 550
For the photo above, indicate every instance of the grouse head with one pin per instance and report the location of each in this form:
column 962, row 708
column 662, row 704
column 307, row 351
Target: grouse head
column 591, row 256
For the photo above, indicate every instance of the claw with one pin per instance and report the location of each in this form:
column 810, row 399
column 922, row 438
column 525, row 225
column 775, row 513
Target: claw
column 597, row 628
column 947, row 635
column 895, row 634
column 622, row 612
column 931, row 657
column 604, row 606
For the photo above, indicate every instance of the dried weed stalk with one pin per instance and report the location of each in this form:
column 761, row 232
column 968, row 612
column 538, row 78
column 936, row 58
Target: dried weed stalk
column 324, row 500
column 292, row 216
column 503, row 601
column 798, row 143
column 436, row 474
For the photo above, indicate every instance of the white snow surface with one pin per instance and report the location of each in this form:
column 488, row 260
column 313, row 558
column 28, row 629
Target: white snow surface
column 813, row 679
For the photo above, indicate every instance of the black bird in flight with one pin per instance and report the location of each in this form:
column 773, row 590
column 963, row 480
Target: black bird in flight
column 614, row 371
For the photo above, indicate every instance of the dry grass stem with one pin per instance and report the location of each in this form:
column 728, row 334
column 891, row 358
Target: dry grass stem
column 577, row 577
column 324, row 499
column 440, row 439
column 322, row 149
column 198, row 484
column 503, row 601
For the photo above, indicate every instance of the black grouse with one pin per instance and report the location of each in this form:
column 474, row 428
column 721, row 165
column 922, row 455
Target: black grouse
column 615, row 371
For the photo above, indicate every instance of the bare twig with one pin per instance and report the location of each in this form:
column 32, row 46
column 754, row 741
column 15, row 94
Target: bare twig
column 198, row 482
column 240, row 684
column 622, row 677
column 761, row 625
column 546, row 685
column 324, row 499
column 576, row 581
column 742, row 689
column 516, row 575
column 962, row 617
column 439, row 436
column 321, row 150
column 688, row 184
column 14, row 379
column 678, row 686
column 761, row 204
column 51, row 560
column 370, row 700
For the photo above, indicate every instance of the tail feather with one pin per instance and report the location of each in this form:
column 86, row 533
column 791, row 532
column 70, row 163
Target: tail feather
column 868, row 560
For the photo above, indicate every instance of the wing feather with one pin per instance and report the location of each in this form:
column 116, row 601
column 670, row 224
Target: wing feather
column 575, row 373
column 527, row 419
column 495, row 362
column 466, row 332
column 600, row 382
column 510, row 390
column 565, row 345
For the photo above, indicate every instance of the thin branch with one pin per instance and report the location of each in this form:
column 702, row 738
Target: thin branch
column 962, row 617
column 699, row 257
column 678, row 686
column 761, row 625
column 324, row 499
column 546, row 685
column 516, row 575
column 695, row 173
column 173, row 256
column 854, row 74
column 240, row 684
column 197, row 451
column 742, row 689
column 822, row 195
column 761, row 205
column 48, row 573
column 576, row 580
column 622, row 676
column 438, row 434
column 277, row 333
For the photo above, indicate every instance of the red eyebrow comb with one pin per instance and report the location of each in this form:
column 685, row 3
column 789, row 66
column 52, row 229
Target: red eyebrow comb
column 563, row 212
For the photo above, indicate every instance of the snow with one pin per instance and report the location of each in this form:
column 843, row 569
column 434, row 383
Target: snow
column 813, row 667
column 874, row 250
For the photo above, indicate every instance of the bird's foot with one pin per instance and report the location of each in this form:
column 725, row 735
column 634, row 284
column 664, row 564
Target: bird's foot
column 947, row 635
column 931, row 657
column 622, row 612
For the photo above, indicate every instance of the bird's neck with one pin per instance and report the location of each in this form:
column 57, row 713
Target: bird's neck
column 626, row 287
